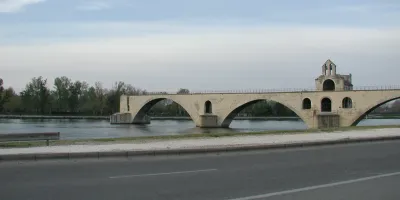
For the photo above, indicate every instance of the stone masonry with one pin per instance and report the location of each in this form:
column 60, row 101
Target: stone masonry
column 334, row 100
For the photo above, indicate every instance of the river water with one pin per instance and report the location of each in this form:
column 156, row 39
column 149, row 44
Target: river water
column 88, row 129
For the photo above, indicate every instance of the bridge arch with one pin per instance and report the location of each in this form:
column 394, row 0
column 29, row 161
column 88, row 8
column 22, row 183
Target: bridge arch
column 369, row 109
column 145, row 108
column 227, row 120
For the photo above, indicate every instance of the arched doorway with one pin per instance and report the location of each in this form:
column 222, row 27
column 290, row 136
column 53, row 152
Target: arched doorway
column 328, row 85
column 306, row 104
column 326, row 105
column 347, row 103
column 208, row 107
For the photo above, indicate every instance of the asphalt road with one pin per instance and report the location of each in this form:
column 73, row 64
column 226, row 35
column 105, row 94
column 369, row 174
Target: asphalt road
column 355, row 171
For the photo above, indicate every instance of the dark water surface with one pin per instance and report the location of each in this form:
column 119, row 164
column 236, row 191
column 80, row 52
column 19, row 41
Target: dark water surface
column 86, row 129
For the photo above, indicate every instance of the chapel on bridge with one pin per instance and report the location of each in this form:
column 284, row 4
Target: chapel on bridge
column 329, row 80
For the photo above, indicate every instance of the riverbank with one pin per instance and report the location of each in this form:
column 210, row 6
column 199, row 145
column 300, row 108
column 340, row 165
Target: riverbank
column 200, row 144
column 375, row 116
column 161, row 138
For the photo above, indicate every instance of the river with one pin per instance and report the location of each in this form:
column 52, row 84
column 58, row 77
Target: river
column 89, row 129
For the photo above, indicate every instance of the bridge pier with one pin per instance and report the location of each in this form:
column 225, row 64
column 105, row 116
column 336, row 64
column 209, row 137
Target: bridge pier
column 121, row 118
column 329, row 120
column 208, row 121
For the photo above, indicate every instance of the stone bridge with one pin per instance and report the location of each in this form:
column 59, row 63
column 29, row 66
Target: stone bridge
column 333, row 103
column 318, row 109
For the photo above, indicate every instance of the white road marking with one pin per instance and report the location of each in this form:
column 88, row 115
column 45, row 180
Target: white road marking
column 317, row 187
column 168, row 173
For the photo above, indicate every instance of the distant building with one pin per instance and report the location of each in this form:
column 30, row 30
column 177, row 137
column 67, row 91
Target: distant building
column 329, row 80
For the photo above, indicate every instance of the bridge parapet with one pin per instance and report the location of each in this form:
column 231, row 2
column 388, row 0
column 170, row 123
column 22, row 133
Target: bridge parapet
column 282, row 90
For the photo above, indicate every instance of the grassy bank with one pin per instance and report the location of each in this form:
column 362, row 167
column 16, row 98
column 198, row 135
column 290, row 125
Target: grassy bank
column 177, row 137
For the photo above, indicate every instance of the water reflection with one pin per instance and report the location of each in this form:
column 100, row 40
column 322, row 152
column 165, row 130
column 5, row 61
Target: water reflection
column 85, row 129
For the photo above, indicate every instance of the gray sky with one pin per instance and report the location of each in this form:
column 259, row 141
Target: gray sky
column 199, row 49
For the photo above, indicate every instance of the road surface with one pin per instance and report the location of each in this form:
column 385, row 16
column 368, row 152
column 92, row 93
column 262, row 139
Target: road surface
column 355, row 171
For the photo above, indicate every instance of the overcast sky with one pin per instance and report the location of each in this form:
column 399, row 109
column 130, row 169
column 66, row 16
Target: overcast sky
column 163, row 45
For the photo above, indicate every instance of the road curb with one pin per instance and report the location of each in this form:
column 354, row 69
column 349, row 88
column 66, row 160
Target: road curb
column 127, row 154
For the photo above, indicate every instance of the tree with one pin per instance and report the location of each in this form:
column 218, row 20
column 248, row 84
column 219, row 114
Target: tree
column 262, row 108
column 90, row 101
column 281, row 110
column 100, row 94
column 62, row 93
column 5, row 95
column 75, row 93
column 128, row 89
column 35, row 97
column 114, row 95
column 183, row 91
column 13, row 105
column 83, row 97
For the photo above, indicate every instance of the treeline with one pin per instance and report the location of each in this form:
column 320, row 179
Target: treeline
column 69, row 97
column 393, row 108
